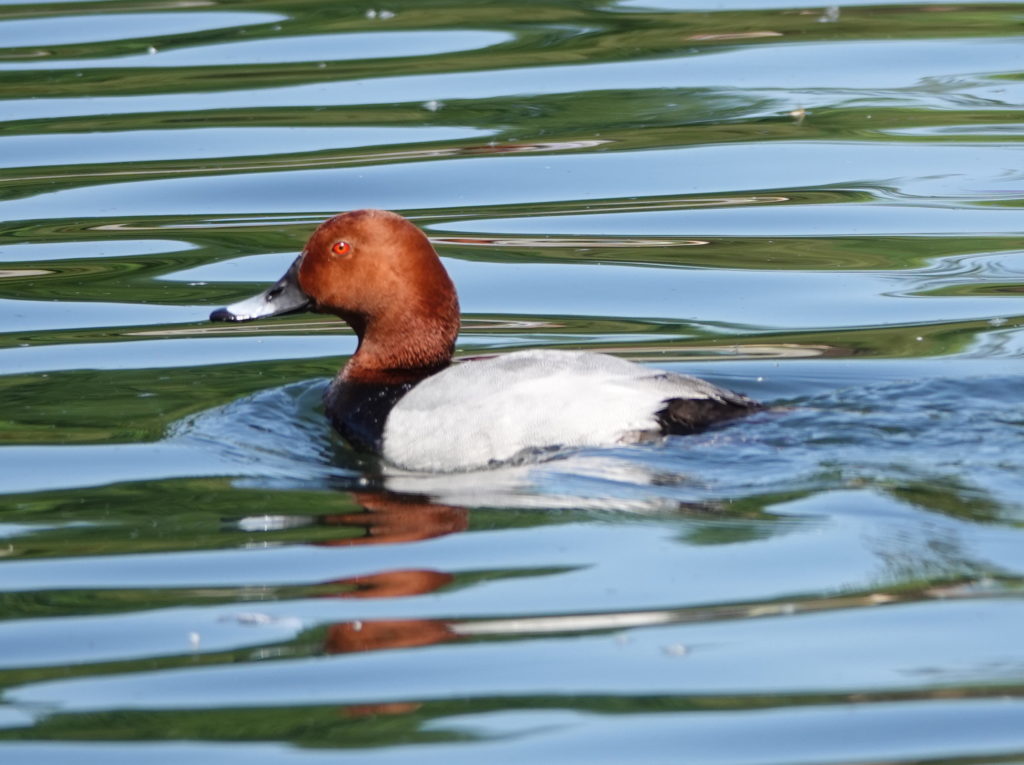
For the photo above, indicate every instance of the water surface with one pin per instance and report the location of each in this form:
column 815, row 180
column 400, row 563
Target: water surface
column 815, row 205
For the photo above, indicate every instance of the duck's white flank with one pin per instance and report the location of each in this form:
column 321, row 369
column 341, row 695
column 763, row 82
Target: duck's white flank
column 477, row 413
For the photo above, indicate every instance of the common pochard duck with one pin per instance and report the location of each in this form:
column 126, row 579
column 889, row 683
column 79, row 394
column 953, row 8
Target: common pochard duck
column 401, row 397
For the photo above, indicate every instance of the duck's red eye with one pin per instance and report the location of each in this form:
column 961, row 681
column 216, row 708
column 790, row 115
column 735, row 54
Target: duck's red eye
column 341, row 248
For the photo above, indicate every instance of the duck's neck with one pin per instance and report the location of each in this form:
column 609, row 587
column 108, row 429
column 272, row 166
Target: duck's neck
column 401, row 350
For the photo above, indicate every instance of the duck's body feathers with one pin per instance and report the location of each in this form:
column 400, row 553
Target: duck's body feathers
column 479, row 413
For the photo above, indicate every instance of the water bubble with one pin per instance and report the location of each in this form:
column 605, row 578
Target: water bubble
column 830, row 15
column 250, row 618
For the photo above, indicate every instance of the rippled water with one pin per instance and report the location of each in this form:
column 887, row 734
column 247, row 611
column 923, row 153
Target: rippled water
column 818, row 206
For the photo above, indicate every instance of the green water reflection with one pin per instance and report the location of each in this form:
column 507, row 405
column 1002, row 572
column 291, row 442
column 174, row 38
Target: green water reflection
column 815, row 205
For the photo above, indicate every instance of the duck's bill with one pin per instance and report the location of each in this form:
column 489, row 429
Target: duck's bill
column 285, row 296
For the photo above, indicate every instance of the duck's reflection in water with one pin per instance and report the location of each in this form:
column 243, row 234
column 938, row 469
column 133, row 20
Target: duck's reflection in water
column 352, row 637
column 390, row 518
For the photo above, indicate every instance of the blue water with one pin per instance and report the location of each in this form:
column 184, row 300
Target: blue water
column 816, row 206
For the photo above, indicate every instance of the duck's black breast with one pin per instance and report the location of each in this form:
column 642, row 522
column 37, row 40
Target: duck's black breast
column 358, row 410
